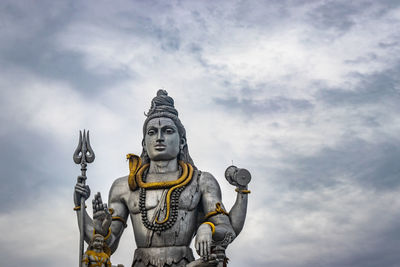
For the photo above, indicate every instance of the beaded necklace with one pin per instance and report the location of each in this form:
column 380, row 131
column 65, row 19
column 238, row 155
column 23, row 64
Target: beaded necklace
column 172, row 198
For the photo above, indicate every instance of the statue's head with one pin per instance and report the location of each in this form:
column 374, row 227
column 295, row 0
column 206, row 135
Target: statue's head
column 164, row 136
column 97, row 242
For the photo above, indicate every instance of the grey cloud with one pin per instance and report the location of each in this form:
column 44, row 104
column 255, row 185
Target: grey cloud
column 388, row 44
column 364, row 59
column 30, row 164
column 373, row 166
column 248, row 106
column 378, row 88
column 246, row 99
column 158, row 25
column 334, row 14
column 369, row 172
column 38, row 52
column 343, row 15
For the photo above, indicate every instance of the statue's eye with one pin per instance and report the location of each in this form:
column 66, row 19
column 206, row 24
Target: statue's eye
column 151, row 132
column 169, row 131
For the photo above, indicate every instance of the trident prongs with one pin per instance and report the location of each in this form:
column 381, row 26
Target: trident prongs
column 89, row 154
column 83, row 152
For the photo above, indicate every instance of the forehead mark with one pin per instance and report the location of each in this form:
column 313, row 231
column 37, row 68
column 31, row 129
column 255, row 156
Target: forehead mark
column 161, row 122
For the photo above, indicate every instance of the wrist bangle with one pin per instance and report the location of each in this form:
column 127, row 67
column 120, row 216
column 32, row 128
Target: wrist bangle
column 211, row 225
column 107, row 236
column 117, row 218
column 79, row 208
column 242, row 191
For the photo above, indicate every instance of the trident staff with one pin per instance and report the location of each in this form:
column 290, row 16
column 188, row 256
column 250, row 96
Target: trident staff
column 83, row 154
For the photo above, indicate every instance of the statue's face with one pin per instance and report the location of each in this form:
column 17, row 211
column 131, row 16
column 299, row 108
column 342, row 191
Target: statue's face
column 162, row 141
column 98, row 243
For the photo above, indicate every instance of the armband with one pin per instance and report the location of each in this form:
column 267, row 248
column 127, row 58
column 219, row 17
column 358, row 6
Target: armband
column 218, row 210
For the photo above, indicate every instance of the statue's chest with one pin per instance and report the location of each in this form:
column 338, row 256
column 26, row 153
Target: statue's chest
column 152, row 198
column 97, row 260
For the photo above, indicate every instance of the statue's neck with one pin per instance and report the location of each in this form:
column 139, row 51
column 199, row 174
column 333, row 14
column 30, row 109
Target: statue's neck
column 163, row 166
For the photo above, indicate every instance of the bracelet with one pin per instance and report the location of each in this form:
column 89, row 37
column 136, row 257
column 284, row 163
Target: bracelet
column 242, row 191
column 79, row 208
column 117, row 218
column 107, row 236
column 211, row 225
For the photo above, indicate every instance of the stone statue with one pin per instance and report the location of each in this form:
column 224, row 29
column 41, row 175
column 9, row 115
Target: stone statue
column 95, row 255
column 168, row 200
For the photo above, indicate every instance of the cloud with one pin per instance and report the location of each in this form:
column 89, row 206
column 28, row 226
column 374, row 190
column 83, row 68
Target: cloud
column 279, row 104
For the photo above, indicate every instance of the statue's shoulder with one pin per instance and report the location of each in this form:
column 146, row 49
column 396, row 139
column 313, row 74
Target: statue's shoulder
column 119, row 187
column 206, row 179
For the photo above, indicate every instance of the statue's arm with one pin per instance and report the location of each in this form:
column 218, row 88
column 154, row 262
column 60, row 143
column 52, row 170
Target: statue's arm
column 211, row 196
column 119, row 211
column 85, row 260
column 82, row 190
column 116, row 204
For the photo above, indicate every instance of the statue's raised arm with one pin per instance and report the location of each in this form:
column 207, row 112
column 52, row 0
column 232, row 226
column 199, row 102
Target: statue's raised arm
column 167, row 199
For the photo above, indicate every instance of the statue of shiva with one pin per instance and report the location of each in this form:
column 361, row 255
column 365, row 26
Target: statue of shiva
column 168, row 200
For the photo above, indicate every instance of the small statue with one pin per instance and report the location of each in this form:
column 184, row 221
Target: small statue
column 168, row 200
column 95, row 255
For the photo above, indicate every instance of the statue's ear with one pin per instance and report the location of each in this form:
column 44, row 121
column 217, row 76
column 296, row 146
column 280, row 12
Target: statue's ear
column 182, row 143
column 143, row 144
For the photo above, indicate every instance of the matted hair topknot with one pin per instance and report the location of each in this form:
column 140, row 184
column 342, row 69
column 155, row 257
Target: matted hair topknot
column 162, row 103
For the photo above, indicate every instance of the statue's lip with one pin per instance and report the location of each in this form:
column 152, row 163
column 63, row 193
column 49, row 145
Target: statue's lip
column 160, row 147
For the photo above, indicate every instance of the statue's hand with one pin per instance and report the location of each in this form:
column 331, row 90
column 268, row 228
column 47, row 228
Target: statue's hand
column 203, row 241
column 81, row 190
column 211, row 262
column 101, row 216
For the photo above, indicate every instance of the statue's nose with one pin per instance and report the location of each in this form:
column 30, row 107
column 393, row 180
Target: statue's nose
column 160, row 136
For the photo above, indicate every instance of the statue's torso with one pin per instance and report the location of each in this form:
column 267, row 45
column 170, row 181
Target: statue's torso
column 97, row 259
column 181, row 233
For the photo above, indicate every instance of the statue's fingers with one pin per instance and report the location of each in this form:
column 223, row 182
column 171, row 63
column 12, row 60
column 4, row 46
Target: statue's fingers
column 212, row 259
column 87, row 188
column 208, row 248
column 204, row 249
column 99, row 198
column 80, row 190
column 197, row 247
column 94, row 205
column 78, row 185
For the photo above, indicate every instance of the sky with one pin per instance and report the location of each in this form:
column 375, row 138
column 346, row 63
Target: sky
column 303, row 94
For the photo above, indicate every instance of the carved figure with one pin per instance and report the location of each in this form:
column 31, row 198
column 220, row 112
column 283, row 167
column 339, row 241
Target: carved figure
column 167, row 199
column 95, row 255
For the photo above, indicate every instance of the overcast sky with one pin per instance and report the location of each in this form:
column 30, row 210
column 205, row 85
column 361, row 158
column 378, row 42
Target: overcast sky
column 304, row 94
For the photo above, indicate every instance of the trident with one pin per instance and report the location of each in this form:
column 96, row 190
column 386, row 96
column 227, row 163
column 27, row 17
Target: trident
column 83, row 154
